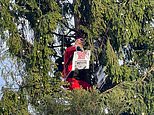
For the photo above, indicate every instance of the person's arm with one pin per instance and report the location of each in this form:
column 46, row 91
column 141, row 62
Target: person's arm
column 79, row 45
column 67, row 58
column 70, row 50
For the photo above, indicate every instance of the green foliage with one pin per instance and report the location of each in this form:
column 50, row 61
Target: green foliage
column 125, row 98
column 13, row 103
column 112, row 24
column 14, row 44
column 6, row 20
column 76, row 102
column 113, row 67
column 129, row 73
column 85, row 102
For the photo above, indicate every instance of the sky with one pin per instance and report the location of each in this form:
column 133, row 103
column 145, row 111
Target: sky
column 2, row 50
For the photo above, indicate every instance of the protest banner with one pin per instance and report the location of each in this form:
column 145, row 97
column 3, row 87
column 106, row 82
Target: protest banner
column 81, row 60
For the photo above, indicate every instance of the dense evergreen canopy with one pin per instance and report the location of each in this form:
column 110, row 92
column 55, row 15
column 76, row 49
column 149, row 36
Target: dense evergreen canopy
column 114, row 30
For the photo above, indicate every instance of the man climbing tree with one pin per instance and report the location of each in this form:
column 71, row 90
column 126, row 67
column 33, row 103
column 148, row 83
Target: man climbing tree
column 75, row 78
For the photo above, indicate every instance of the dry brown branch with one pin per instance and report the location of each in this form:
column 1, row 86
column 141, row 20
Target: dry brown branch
column 146, row 73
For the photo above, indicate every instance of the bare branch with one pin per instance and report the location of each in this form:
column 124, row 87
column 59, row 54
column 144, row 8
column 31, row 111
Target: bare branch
column 62, row 35
column 146, row 74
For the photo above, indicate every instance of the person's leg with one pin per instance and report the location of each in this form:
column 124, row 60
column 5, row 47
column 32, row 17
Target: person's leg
column 85, row 85
column 74, row 83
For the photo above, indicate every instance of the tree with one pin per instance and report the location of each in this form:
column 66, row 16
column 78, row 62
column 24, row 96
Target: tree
column 113, row 30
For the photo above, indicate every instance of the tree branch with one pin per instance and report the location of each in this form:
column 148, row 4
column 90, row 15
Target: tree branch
column 72, row 29
column 62, row 35
column 146, row 74
column 113, row 87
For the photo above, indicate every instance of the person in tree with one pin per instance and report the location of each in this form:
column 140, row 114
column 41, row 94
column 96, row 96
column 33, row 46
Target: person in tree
column 75, row 78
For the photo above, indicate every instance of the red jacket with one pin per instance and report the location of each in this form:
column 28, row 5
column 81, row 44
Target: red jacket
column 74, row 83
column 68, row 57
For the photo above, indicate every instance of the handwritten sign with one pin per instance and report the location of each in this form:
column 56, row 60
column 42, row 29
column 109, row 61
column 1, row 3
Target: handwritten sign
column 81, row 60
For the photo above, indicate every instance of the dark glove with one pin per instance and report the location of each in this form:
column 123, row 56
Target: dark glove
column 78, row 48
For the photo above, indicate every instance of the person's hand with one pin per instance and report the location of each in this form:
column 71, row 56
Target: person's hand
column 79, row 44
column 78, row 48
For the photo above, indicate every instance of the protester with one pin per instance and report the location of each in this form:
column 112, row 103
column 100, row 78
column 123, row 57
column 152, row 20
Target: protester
column 74, row 77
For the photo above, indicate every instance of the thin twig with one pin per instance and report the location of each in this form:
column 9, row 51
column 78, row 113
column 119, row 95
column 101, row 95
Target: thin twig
column 146, row 74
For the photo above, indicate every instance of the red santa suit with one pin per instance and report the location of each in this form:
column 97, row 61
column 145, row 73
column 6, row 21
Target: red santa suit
column 67, row 71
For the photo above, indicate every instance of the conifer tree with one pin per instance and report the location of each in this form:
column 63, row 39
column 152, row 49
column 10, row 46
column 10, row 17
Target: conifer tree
column 113, row 30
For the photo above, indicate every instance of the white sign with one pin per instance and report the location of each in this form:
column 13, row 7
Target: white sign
column 81, row 60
